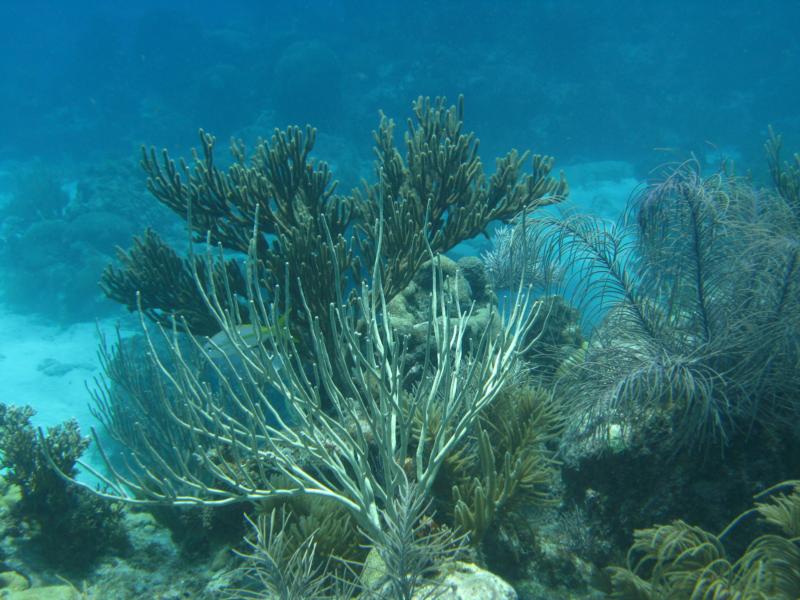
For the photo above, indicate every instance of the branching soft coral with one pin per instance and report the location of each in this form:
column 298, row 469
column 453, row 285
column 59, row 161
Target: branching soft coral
column 284, row 201
column 70, row 527
column 682, row 561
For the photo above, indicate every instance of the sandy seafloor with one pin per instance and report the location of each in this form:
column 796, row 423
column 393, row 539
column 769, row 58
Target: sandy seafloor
column 48, row 367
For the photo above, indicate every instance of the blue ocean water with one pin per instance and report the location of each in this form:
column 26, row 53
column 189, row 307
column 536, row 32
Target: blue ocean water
column 582, row 81
column 612, row 89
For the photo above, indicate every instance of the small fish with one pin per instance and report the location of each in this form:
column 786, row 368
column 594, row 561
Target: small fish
column 220, row 344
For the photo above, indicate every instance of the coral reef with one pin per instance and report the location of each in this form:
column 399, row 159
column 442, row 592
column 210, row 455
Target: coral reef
column 366, row 426
column 148, row 265
column 409, row 309
column 512, row 258
column 689, row 362
column 507, row 467
column 64, row 526
column 323, row 376
column 699, row 330
column 685, row 561
column 352, row 458
column 277, row 567
column 430, row 199
column 785, row 175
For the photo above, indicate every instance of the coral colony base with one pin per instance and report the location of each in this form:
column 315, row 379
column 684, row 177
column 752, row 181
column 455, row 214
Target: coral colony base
column 322, row 404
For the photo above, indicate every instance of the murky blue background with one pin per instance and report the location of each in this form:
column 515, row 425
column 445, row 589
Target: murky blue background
column 599, row 80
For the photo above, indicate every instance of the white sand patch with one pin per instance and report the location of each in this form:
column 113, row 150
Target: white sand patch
column 47, row 367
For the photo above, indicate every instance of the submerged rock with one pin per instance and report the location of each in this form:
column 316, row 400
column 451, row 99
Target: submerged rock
column 47, row 592
column 457, row 581
column 11, row 581
column 410, row 309
column 466, row 581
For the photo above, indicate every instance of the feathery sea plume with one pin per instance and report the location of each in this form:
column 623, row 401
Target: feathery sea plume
column 688, row 302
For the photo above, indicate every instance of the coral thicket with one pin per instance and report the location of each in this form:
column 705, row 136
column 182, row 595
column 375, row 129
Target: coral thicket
column 67, row 527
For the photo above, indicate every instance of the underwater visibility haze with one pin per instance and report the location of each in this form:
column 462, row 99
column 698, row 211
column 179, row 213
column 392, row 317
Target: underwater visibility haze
column 400, row 300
